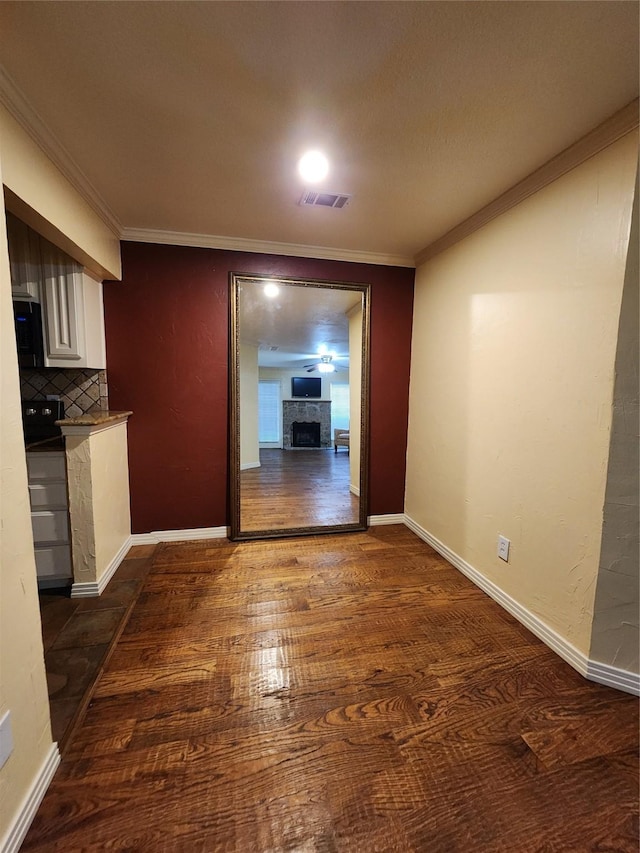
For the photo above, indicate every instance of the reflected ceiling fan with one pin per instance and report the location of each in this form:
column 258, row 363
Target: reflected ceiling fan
column 326, row 363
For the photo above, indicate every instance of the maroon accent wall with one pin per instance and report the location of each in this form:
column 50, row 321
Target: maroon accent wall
column 167, row 361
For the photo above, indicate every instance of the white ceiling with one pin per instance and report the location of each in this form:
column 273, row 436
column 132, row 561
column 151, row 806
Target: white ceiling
column 188, row 117
column 289, row 329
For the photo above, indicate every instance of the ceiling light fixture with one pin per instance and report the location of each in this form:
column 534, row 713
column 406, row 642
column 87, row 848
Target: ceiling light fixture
column 313, row 167
column 325, row 365
column 271, row 290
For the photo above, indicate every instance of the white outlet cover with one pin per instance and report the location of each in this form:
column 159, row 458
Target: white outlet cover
column 503, row 548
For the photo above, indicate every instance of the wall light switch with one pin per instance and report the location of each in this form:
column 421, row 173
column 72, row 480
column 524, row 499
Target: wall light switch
column 503, row 548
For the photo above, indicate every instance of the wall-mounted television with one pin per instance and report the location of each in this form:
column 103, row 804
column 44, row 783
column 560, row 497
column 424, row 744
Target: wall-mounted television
column 306, row 386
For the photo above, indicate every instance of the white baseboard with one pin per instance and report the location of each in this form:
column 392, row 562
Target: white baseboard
column 91, row 589
column 355, row 490
column 603, row 673
column 611, row 676
column 379, row 520
column 247, row 465
column 143, row 539
column 186, row 535
column 20, row 824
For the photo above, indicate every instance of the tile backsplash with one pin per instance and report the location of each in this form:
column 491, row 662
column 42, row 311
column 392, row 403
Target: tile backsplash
column 81, row 389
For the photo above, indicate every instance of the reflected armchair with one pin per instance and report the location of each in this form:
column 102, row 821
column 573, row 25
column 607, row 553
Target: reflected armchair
column 340, row 439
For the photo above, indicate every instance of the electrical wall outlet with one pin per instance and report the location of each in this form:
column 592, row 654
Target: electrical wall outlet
column 6, row 738
column 503, row 548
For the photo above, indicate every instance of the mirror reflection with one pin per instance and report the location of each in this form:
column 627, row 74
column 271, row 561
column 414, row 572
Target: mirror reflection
column 299, row 404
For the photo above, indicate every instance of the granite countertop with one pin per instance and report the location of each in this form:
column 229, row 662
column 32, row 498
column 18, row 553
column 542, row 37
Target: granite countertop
column 94, row 418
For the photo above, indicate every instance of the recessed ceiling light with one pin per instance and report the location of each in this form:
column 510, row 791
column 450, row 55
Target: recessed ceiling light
column 313, row 166
column 271, row 290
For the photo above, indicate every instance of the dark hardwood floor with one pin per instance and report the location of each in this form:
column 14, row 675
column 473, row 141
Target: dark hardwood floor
column 297, row 488
column 338, row 693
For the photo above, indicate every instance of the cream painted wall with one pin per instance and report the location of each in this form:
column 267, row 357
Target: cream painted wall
column 249, row 447
column 514, row 342
column 111, row 505
column 43, row 198
column 615, row 638
column 23, row 686
column 99, row 510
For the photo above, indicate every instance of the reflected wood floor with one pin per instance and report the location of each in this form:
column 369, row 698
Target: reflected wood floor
column 338, row 693
column 297, row 488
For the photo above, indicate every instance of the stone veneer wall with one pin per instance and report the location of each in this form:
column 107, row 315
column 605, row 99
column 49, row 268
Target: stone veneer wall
column 306, row 412
column 81, row 390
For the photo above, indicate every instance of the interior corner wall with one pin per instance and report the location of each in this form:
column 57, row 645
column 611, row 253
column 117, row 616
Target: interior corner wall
column 167, row 360
column 615, row 637
column 23, row 686
column 514, row 341
column 41, row 196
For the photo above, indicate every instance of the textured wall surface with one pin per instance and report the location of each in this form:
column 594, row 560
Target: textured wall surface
column 615, row 638
column 167, row 361
column 23, row 685
column 99, row 512
column 514, row 343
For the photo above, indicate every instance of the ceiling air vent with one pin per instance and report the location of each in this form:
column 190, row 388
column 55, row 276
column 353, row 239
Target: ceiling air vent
column 324, row 199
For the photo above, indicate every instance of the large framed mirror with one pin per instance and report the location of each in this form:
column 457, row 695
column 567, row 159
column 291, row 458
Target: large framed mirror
column 299, row 426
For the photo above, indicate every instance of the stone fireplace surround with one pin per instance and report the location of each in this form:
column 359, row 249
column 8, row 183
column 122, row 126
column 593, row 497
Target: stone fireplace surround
column 306, row 411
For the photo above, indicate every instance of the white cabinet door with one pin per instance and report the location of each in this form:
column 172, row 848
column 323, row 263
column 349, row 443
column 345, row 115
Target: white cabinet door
column 64, row 308
column 53, row 561
column 48, row 466
column 24, row 260
column 48, row 495
column 50, row 526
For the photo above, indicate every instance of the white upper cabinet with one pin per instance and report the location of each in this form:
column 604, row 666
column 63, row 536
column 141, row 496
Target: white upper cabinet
column 71, row 299
column 64, row 308
column 24, row 259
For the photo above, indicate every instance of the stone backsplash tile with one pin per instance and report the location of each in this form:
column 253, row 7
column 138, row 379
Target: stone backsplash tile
column 81, row 390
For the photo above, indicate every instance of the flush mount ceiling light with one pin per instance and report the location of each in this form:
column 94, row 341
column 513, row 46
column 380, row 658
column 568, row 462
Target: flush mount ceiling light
column 325, row 365
column 313, row 167
column 271, row 290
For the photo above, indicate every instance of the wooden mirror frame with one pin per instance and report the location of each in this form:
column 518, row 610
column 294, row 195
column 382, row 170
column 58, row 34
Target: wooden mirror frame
column 236, row 531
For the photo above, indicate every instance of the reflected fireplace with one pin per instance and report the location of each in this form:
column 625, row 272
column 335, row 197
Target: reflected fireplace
column 305, row 434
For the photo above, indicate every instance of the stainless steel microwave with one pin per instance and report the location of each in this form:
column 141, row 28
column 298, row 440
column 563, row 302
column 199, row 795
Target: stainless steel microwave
column 28, row 322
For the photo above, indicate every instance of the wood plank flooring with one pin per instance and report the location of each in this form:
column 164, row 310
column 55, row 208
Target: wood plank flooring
column 338, row 693
column 297, row 488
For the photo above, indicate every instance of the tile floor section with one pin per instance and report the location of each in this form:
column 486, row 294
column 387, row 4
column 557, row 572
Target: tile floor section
column 79, row 634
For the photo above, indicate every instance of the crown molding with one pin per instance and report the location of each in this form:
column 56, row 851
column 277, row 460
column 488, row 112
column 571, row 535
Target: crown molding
column 17, row 105
column 265, row 247
column 605, row 134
